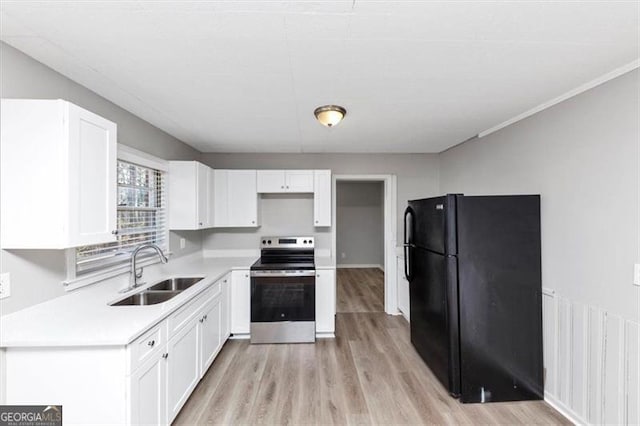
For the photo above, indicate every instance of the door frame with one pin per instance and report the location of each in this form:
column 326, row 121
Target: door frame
column 390, row 228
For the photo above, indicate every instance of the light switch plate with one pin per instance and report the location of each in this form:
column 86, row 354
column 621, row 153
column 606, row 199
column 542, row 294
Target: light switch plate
column 183, row 243
column 636, row 274
column 5, row 285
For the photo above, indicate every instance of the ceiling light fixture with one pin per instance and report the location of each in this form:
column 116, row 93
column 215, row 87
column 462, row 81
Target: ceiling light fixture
column 330, row 115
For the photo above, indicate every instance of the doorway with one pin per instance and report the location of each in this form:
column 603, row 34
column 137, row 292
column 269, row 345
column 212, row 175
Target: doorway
column 390, row 225
column 360, row 246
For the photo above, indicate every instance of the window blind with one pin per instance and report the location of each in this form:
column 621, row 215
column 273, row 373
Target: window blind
column 142, row 218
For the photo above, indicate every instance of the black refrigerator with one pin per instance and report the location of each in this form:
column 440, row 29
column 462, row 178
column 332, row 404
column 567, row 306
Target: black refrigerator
column 474, row 271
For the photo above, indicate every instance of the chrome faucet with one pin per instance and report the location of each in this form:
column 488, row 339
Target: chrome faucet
column 137, row 274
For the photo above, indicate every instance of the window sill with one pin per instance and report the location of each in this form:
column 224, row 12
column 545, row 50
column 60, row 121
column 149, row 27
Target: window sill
column 73, row 283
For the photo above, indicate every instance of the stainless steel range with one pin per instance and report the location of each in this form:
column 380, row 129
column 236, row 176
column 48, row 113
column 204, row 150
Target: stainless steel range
column 283, row 291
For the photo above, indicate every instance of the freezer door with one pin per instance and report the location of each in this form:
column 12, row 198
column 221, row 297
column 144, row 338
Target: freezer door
column 500, row 298
column 433, row 224
column 433, row 305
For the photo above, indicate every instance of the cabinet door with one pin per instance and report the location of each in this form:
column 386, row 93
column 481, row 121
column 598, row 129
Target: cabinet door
column 242, row 198
column 240, row 302
column 322, row 198
column 183, row 368
column 271, row 181
column 91, row 178
column 221, row 197
column 225, row 325
column 210, row 220
column 210, row 333
column 148, row 392
column 202, row 198
column 403, row 289
column 299, row 180
column 325, row 301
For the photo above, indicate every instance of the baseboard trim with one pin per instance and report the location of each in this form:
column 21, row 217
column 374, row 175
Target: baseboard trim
column 567, row 412
column 240, row 336
column 359, row 266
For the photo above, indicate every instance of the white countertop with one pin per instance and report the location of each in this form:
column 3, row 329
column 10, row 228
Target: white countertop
column 84, row 318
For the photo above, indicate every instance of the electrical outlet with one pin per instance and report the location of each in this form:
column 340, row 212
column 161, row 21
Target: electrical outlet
column 183, row 243
column 636, row 274
column 5, row 285
column 343, row 255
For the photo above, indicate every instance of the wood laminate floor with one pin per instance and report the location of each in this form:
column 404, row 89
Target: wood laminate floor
column 360, row 290
column 368, row 374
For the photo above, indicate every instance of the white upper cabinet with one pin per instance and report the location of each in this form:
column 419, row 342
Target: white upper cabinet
column 191, row 202
column 278, row 181
column 271, row 181
column 322, row 198
column 236, row 198
column 58, row 175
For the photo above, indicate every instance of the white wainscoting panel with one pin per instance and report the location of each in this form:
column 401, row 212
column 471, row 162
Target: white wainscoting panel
column 580, row 357
column 549, row 343
column 592, row 362
column 632, row 408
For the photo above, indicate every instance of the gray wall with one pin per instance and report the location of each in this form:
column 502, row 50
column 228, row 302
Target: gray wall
column 582, row 157
column 36, row 275
column 417, row 174
column 360, row 223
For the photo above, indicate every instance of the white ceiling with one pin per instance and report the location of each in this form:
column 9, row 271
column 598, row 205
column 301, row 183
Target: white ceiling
column 245, row 76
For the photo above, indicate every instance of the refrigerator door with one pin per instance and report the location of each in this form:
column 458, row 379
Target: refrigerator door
column 500, row 296
column 433, row 306
column 433, row 224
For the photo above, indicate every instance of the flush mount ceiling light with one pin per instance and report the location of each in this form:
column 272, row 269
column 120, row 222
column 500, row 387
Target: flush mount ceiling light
column 330, row 115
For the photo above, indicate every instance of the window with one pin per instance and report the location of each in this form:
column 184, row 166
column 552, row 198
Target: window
column 142, row 218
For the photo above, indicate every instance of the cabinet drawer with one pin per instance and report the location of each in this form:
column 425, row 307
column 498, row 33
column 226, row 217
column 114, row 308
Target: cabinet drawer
column 183, row 315
column 144, row 346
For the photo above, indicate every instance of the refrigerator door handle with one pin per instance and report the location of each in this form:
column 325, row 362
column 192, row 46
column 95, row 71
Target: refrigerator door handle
column 407, row 244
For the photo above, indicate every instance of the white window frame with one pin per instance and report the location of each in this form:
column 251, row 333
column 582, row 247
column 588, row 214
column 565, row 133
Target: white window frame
column 130, row 155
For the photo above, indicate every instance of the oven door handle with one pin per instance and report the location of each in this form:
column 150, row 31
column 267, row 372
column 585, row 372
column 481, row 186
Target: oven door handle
column 282, row 274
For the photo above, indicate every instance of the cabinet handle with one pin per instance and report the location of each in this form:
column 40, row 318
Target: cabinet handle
column 114, row 232
column 287, row 186
column 201, row 320
column 316, row 221
column 151, row 343
column 165, row 355
column 224, row 281
column 205, row 317
column 282, row 187
column 253, row 221
column 200, row 224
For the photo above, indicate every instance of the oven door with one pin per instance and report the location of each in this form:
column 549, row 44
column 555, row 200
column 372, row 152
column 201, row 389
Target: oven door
column 283, row 296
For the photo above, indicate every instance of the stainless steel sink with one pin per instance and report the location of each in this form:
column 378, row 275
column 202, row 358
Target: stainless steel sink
column 146, row 298
column 175, row 284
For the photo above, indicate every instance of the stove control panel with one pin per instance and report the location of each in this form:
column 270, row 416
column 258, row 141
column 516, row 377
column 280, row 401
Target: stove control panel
column 287, row 242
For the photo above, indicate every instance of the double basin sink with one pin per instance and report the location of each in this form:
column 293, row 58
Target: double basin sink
column 159, row 292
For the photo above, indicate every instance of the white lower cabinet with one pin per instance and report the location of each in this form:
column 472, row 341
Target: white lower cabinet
column 160, row 387
column 183, row 369
column 326, row 301
column 241, row 302
column 210, row 333
column 145, row 382
column 148, row 392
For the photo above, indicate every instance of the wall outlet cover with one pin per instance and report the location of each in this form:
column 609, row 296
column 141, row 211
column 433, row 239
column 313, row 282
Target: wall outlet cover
column 343, row 255
column 5, row 285
column 636, row 274
column 183, row 243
